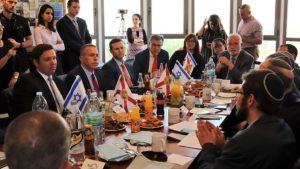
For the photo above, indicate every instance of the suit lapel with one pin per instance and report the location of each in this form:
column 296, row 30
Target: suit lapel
column 72, row 27
column 84, row 78
column 147, row 60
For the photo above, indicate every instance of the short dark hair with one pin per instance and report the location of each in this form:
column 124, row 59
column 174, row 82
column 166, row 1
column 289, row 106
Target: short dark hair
column 114, row 40
column 277, row 65
column 69, row 3
column 157, row 37
column 194, row 37
column 139, row 16
column 38, row 139
column 267, row 88
column 82, row 49
column 41, row 20
column 291, row 49
column 39, row 50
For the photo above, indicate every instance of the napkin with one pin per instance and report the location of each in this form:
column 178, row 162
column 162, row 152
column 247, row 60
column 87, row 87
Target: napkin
column 184, row 126
column 142, row 137
column 110, row 152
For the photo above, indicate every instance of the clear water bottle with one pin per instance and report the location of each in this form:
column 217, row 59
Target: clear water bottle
column 39, row 103
column 211, row 70
column 75, row 121
column 95, row 117
column 140, row 84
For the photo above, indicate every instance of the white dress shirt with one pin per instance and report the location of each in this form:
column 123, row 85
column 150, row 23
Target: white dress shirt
column 43, row 36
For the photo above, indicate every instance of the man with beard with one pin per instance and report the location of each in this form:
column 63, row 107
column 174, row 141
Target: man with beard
column 266, row 143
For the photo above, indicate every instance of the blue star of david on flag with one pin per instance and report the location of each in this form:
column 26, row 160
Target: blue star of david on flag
column 179, row 72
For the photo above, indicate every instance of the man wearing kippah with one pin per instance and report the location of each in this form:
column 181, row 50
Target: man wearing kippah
column 267, row 142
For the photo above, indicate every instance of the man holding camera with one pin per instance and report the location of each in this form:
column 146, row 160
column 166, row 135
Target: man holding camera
column 73, row 31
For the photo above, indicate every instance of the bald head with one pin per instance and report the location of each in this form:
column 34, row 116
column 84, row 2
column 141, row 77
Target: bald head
column 38, row 139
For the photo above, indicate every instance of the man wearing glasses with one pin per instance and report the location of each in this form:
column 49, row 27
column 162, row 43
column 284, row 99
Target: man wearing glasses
column 149, row 60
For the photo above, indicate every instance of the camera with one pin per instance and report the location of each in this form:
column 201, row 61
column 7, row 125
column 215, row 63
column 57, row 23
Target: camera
column 123, row 11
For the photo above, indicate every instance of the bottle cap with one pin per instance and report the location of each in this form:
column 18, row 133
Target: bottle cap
column 39, row 93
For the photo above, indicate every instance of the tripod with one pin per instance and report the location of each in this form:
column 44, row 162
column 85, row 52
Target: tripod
column 122, row 28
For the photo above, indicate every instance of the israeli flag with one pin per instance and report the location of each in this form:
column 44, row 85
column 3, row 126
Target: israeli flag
column 179, row 72
column 77, row 92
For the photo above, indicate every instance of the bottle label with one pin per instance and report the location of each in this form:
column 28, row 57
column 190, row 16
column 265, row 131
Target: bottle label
column 160, row 102
column 135, row 125
column 77, row 144
column 95, row 118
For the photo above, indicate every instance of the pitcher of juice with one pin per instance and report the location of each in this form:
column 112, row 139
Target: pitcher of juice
column 135, row 119
column 148, row 105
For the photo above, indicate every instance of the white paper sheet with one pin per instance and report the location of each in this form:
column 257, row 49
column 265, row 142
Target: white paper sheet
column 190, row 141
column 184, row 125
column 196, row 110
column 218, row 100
column 178, row 159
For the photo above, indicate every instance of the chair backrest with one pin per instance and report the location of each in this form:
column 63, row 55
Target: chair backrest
column 6, row 112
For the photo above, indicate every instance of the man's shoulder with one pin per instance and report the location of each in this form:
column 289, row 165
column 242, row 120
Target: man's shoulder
column 245, row 55
column 75, row 71
column 108, row 64
column 142, row 54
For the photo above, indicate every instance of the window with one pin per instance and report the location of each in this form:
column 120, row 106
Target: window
column 114, row 26
column 266, row 15
column 266, row 48
column 167, row 16
column 293, row 26
column 87, row 12
column 171, row 45
column 204, row 8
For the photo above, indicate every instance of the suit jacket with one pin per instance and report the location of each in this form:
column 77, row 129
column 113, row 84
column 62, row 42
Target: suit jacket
column 268, row 143
column 290, row 112
column 112, row 72
column 72, row 40
column 180, row 56
column 141, row 62
column 242, row 65
column 78, row 70
column 25, row 91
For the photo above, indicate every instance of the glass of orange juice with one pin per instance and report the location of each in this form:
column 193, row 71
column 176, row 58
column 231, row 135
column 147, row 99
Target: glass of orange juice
column 135, row 119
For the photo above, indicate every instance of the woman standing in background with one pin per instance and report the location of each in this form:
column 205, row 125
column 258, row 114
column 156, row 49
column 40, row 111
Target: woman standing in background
column 214, row 30
column 45, row 33
column 137, row 38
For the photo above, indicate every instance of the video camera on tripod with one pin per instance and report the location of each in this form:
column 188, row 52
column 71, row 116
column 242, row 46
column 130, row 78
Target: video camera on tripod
column 122, row 26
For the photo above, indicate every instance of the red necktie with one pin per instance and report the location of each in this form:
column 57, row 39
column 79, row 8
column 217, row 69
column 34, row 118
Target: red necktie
column 95, row 83
column 154, row 65
column 126, row 75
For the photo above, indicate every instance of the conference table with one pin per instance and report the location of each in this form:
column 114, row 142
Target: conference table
column 171, row 145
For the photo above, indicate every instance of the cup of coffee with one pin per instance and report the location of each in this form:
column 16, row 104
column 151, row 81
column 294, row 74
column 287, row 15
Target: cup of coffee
column 159, row 142
column 173, row 115
column 190, row 102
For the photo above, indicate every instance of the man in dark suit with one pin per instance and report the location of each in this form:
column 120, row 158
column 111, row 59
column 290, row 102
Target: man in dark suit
column 88, row 70
column 40, row 80
column 149, row 60
column 235, row 61
column 116, row 66
column 290, row 110
column 73, row 31
column 266, row 143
